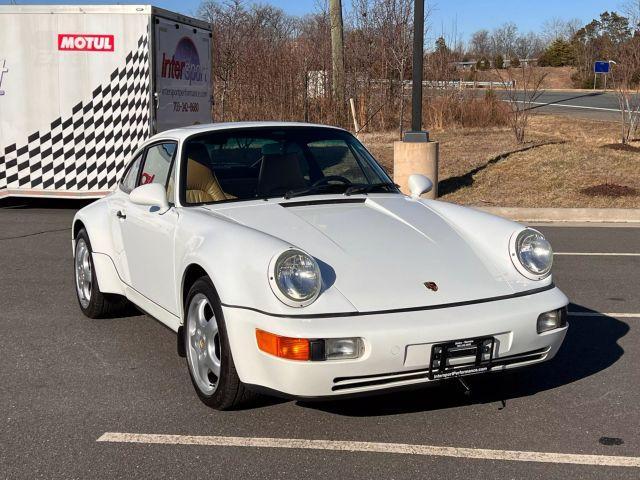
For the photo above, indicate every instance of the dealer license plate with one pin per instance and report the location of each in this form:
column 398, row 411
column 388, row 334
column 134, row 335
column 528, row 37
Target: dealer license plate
column 461, row 357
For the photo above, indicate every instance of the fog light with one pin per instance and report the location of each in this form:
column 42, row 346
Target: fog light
column 552, row 320
column 342, row 348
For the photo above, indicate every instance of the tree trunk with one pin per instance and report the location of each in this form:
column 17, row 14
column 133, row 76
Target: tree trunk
column 337, row 52
column 401, row 121
column 222, row 99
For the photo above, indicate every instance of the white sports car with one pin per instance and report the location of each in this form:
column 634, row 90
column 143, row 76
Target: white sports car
column 287, row 261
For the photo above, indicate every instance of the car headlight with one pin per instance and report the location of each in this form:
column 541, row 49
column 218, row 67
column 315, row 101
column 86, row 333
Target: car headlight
column 295, row 278
column 531, row 254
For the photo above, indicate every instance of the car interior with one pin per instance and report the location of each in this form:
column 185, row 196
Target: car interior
column 219, row 175
column 221, row 167
column 202, row 184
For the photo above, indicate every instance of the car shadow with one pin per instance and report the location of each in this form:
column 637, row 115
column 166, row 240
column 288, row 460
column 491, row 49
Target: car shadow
column 591, row 346
column 125, row 310
column 24, row 203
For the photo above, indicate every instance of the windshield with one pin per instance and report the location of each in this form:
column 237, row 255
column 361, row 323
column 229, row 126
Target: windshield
column 242, row 164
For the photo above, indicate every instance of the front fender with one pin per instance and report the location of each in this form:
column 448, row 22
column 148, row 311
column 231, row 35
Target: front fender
column 489, row 235
column 236, row 258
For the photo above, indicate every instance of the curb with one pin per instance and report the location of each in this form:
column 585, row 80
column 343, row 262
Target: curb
column 583, row 215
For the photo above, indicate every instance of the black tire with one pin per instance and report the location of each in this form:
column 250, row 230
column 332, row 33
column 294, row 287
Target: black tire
column 100, row 305
column 230, row 392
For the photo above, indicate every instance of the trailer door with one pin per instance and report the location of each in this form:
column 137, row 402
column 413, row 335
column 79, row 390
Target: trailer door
column 182, row 74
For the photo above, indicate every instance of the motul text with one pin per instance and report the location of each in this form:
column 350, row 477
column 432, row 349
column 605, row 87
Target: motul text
column 85, row 42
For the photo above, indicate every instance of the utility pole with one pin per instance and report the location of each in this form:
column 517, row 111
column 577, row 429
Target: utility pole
column 337, row 52
column 418, row 53
column 416, row 154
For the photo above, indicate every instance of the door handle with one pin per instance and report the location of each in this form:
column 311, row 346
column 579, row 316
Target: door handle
column 120, row 215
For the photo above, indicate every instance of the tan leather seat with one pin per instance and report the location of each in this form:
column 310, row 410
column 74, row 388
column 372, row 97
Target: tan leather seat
column 171, row 190
column 279, row 174
column 202, row 184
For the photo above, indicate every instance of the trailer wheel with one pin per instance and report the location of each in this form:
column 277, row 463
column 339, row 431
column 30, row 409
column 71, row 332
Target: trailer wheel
column 93, row 303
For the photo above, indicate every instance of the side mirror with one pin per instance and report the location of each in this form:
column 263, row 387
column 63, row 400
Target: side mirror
column 152, row 195
column 418, row 184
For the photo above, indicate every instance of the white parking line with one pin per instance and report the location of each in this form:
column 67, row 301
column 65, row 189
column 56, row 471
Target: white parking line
column 599, row 254
column 555, row 104
column 567, row 105
column 600, row 314
column 375, row 447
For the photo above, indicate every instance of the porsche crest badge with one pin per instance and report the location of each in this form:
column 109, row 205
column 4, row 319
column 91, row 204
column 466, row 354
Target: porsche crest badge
column 433, row 286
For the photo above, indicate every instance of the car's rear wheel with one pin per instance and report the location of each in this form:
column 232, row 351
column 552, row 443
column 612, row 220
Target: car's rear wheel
column 206, row 344
column 93, row 303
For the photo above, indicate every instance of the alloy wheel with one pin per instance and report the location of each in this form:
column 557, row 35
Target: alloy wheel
column 203, row 353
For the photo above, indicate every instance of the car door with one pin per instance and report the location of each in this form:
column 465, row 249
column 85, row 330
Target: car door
column 117, row 205
column 148, row 233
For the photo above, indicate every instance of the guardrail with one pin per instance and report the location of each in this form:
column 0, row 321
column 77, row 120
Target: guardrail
column 452, row 83
column 465, row 84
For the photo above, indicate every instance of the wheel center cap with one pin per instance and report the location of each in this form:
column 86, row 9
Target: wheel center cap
column 201, row 343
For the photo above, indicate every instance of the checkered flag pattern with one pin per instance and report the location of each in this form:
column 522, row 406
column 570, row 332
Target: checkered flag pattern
column 86, row 150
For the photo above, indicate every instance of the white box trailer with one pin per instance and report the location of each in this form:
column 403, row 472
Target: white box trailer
column 82, row 86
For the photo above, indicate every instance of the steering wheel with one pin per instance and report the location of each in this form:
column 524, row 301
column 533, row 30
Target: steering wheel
column 331, row 178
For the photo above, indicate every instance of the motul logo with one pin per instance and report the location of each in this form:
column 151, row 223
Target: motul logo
column 85, row 43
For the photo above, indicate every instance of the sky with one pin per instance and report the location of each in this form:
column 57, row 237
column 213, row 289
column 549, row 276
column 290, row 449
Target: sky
column 451, row 17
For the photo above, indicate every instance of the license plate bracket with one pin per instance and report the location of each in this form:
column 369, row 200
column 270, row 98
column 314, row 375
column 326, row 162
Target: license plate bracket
column 461, row 357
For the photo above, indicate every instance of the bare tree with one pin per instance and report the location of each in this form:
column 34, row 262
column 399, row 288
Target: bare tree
column 394, row 18
column 230, row 27
column 560, row 29
column 625, row 76
column 480, row 43
column 364, row 65
column 521, row 98
column 503, row 39
column 631, row 8
column 528, row 46
column 269, row 65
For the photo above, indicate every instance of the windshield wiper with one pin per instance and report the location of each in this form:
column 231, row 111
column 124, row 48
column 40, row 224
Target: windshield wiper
column 367, row 187
column 352, row 189
column 307, row 190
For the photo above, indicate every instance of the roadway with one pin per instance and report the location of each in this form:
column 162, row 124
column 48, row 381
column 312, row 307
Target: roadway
column 67, row 380
column 595, row 105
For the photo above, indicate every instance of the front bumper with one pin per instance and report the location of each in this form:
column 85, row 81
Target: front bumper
column 397, row 345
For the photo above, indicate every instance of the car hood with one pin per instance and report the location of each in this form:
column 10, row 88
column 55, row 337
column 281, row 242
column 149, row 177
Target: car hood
column 380, row 252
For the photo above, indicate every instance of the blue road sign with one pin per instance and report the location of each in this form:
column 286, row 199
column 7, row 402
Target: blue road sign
column 601, row 67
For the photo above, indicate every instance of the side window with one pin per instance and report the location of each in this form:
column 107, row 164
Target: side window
column 157, row 164
column 130, row 178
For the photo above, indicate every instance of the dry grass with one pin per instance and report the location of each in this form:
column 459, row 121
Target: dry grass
column 461, row 149
column 553, row 176
column 558, row 175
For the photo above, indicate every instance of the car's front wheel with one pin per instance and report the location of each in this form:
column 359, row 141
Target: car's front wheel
column 209, row 358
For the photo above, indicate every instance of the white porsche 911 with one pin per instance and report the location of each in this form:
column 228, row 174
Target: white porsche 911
column 287, row 261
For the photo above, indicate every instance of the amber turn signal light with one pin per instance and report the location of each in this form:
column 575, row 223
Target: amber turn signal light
column 283, row 347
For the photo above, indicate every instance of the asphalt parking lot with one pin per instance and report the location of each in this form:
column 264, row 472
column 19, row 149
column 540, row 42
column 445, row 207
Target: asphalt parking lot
column 67, row 380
